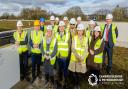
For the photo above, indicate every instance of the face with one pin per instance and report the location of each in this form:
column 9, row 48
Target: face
column 65, row 21
column 61, row 28
column 37, row 27
column 92, row 26
column 52, row 22
column 80, row 32
column 19, row 28
column 108, row 21
column 72, row 26
column 49, row 33
column 42, row 23
column 96, row 33
column 57, row 21
column 78, row 21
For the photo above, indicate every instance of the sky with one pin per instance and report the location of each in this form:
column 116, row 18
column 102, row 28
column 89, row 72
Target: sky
column 59, row 6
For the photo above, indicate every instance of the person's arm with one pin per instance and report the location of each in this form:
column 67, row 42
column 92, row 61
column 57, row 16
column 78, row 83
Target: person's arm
column 98, row 51
column 54, row 51
column 30, row 42
column 116, row 31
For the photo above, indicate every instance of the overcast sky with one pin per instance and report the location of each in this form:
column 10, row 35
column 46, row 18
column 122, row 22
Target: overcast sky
column 59, row 6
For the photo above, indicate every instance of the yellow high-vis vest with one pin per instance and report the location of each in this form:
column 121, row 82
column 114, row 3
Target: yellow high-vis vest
column 51, row 49
column 80, row 48
column 36, row 37
column 99, row 57
column 18, row 38
column 113, row 32
column 63, row 45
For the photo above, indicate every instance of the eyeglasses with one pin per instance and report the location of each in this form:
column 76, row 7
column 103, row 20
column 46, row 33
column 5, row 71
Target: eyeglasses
column 72, row 24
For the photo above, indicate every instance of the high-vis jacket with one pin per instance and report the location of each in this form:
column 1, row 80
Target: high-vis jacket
column 51, row 49
column 20, row 38
column 63, row 44
column 36, row 37
column 80, row 49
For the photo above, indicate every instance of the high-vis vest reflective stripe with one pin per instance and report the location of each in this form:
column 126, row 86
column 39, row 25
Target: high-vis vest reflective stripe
column 36, row 37
column 51, row 49
column 80, row 48
column 99, row 57
column 63, row 46
column 18, row 38
column 113, row 32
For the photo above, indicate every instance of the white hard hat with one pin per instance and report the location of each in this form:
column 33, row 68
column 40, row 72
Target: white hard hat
column 79, row 18
column 80, row 26
column 65, row 18
column 61, row 23
column 109, row 16
column 52, row 18
column 57, row 18
column 92, row 22
column 19, row 23
column 49, row 27
column 97, row 28
column 72, row 21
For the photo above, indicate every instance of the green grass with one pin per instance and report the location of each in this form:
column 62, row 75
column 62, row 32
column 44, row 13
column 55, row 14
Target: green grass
column 11, row 25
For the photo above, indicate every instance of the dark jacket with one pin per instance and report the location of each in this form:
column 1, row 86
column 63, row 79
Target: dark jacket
column 90, row 58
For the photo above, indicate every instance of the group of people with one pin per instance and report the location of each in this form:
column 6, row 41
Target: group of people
column 65, row 48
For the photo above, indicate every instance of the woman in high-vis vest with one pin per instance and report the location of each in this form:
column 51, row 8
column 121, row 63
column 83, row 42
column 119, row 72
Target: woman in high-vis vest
column 95, row 58
column 63, row 40
column 36, row 55
column 79, row 53
column 21, row 41
column 49, row 50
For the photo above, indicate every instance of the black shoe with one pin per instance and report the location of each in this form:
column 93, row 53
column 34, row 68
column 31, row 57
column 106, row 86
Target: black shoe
column 27, row 79
column 21, row 78
column 32, row 81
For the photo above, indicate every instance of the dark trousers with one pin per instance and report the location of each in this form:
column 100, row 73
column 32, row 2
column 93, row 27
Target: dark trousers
column 23, row 58
column 36, row 62
column 109, row 51
column 63, row 67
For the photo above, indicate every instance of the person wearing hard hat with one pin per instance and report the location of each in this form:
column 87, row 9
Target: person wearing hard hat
column 72, row 27
column 79, row 53
column 63, row 40
column 42, row 25
column 79, row 20
column 109, row 34
column 35, row 43
column 95, row 57
column 56, row 24
column 21, row 41
column 49, row 51
column 90, row 29
column 67, row 25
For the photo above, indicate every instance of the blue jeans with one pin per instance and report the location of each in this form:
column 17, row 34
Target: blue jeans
column 63, row 67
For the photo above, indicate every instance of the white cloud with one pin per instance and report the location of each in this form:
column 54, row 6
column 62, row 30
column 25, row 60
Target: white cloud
column 59, row 6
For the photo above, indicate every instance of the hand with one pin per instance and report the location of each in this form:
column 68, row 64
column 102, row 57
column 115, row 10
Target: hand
column 17, row 44
column 91, row 52
column 35, row 45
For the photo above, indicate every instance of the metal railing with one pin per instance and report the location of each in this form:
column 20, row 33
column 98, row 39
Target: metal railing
column 6, row 37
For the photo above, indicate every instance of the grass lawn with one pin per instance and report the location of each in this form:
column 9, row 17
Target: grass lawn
column 11, row 25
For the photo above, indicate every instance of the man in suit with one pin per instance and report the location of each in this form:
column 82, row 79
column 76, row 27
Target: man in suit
column 110, row 34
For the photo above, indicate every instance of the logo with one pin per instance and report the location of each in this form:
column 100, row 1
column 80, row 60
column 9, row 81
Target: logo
column 93, row 80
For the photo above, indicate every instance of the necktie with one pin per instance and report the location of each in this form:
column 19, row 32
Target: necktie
column 107, row 30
